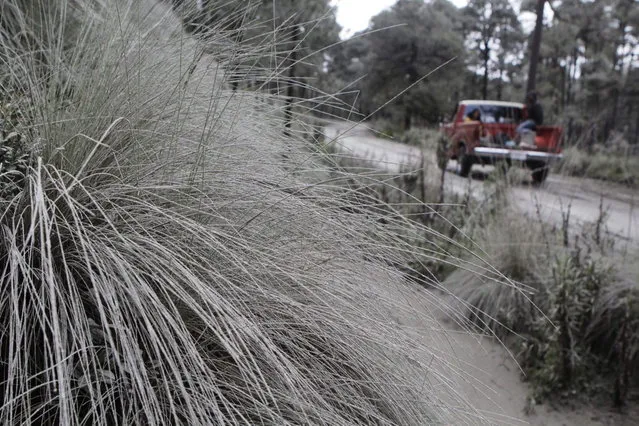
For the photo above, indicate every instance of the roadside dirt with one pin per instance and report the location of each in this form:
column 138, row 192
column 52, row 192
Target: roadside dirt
column 479, row 368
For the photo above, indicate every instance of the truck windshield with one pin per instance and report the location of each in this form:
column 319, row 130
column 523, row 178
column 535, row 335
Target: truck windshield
column 497, row 113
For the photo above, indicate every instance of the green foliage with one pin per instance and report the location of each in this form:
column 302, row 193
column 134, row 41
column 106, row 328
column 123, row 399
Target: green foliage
column 587, row 72
column 588, row 67
column 495, row 37
column 558, row 354
column 406, row 43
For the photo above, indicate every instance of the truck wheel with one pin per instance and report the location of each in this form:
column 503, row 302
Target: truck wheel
column 465, row 161
column 539, row 172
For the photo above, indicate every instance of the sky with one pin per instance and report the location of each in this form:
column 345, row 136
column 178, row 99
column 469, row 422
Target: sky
column 353, row 15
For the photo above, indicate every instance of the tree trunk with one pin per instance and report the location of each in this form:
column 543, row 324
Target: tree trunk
column 412, row 78
column 534, row 47
column 290, row 89
column 484, row 90
column 564, row 82
column 611, row 123
column 408, row 118
column 617, row 69
column 500, row 83
column 617, row 59
column 572, row 78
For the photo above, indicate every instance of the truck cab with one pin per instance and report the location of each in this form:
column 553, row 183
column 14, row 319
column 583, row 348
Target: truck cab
column 483, row 132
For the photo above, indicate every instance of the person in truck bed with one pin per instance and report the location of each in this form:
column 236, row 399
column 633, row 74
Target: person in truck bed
column 535, row 116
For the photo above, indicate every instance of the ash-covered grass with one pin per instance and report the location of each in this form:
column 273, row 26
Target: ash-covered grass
column 169, row 257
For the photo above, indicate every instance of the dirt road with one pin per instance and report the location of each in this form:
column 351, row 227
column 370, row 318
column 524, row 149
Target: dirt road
column 584, row 196
column 482, row 372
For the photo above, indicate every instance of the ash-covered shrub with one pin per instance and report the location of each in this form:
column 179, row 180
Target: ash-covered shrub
column 168, row 257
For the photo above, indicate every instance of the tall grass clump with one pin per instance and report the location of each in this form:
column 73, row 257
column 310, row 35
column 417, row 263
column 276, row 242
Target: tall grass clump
column 166, row 255
column 498, row 297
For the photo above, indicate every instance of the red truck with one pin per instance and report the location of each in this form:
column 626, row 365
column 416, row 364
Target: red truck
column 490, row 139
